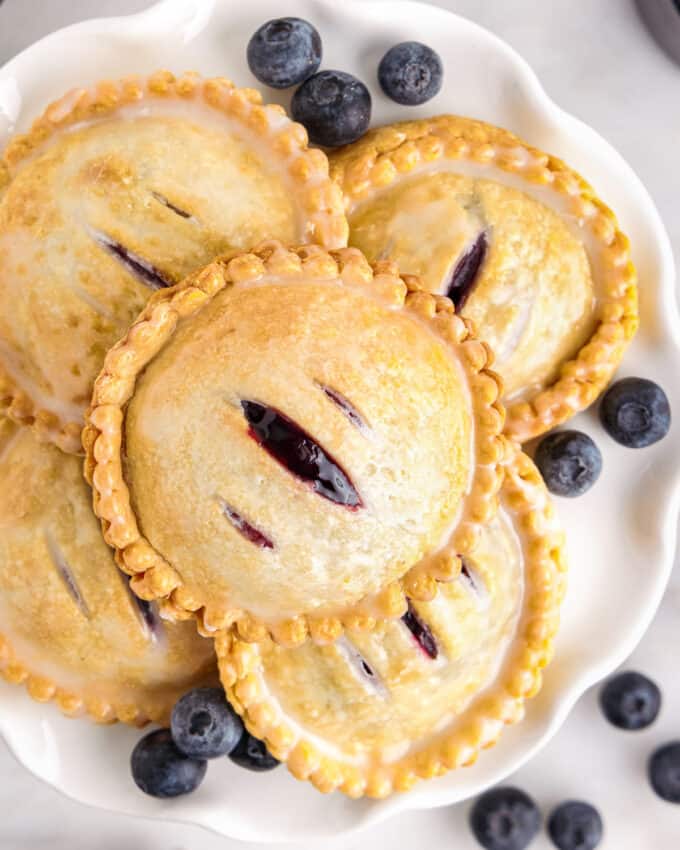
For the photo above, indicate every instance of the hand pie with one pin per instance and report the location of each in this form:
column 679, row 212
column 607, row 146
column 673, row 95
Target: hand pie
column 305, row 438
column 373, row 712
column 123, row 189
column 70, row 627
column 517, row 239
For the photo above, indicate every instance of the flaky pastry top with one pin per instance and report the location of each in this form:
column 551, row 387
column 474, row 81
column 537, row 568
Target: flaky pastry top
column 124, row 188
column 518, row 239
column 71, row 629
column 290, row 440
column 372, row 713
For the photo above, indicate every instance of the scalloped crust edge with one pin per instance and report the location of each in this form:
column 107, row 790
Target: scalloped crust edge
column 152, row 576
column 388, row 152
column 241, row 671
column 308, row 167
column 73, row 704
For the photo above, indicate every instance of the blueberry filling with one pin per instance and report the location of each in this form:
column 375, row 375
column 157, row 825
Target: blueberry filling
column 466, row 271
column 294, row 449
column 149, row 617
column 245, row 528
column 362, row 669
column 166, row 203
column 137, row 266
column 66, row 574
column 146, row 613
column 472, row 578
column 422, row 634
column 347, row 407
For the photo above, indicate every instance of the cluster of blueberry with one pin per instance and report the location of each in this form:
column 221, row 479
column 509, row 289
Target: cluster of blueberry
column 508, row 819
column 335, row 107
column 171, row 762
column 634, row 412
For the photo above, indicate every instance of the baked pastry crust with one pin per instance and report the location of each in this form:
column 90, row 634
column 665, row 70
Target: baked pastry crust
column 72, row 631
column 316, row 715
column 125, row 187
column 588, row 334
column 335, row 294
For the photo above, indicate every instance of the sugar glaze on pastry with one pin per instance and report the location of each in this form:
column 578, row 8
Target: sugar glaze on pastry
column 71, row 629
column 120, row 190
column 374, row 712
column 517, row 239
column 305, row 437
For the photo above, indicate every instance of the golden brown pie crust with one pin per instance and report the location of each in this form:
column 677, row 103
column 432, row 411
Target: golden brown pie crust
column 153, row 577
column 320, row 201
column 241, row 668
column 72, row 632
column 389, row 153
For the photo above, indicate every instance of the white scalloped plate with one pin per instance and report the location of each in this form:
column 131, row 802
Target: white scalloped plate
column 621, row 534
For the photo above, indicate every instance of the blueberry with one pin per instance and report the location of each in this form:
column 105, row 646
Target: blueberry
column 630, row 701
column 569, row 461
column 284, row 52
column 635, row 412
column 575, row 826
column 505, row 819
column 204, row 725
column 252, row 754
column 334, row 107
column 161, row 770
column 664, row 772
column 411, row 73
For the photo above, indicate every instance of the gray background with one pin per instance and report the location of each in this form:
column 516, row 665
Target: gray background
column 596, row 60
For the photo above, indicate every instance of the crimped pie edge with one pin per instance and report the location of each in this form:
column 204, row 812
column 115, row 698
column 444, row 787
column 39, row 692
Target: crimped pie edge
column 545, row 566
column 389, row 152
column 152, row 576
column 308, row 167
column 138, row 708
column 76, row 702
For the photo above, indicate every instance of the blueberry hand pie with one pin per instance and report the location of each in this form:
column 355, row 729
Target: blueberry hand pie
column 373, row 712
column 71, row 629
column 515, row 238
column 123, row 189
column 291, row 440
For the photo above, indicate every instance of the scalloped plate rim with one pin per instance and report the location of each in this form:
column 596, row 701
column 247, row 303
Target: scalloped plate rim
column 182, row 12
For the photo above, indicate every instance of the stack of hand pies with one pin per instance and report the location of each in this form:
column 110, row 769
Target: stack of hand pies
column 299, row 454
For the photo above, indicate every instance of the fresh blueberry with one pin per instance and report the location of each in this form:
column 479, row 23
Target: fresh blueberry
column 664, row 772
column 635, row 412
column 569, row 461
column 284, row 52
column 161, row 770
column 411, row 73
column 334, row 107
column 204, row 725
column 575, row 826
column 252, row 754
column 505, row 819
column 630, row 701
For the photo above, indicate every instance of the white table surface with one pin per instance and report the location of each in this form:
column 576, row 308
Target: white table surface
column 596, row 60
